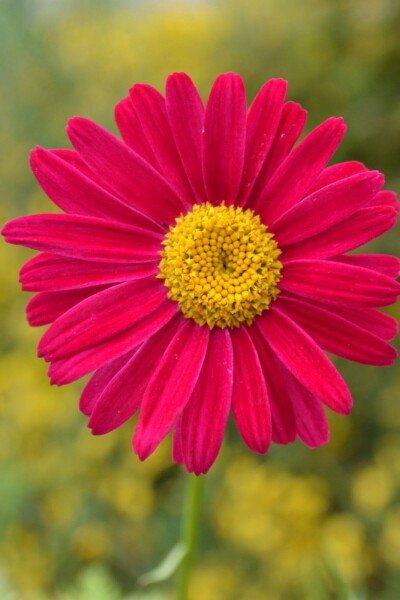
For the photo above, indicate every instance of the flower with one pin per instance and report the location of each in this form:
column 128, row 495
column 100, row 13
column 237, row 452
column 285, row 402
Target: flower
column 201, row 266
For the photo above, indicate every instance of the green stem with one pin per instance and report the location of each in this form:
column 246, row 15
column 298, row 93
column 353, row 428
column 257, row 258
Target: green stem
column 190, row 532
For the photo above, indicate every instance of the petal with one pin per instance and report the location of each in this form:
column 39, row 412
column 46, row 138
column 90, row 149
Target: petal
column 289, row 129
column 383, row 263
column 123, row 393
column 177, row 453
column 102, row 317
column 46, row 307
column 224, row 139
column 71, row 368
column 386, row 198
column 311, row 422
column 99, row 381
column 204, row 418
column 262, row 123
column 336, row 173
column 339, row 283
column 85, row 238
column 170, row 386
column 131, row 130
column 127, row 173
column 304, row 359
column 186, row 115
column 316, row 213
column 250, row 404
column 49, row 272
column 370, row 319
column 73, row 189
column 338, row 335
column 282, row 414
column 150, row 108
column 294, row 176
column 363, row 226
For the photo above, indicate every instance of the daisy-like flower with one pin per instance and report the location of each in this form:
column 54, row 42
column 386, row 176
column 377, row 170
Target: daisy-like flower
column 200, row 267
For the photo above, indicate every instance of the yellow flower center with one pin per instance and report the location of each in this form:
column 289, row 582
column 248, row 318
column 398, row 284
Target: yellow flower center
column 221, row 265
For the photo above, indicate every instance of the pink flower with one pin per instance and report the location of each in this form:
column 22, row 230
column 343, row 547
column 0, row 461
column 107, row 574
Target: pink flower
column 201, row 267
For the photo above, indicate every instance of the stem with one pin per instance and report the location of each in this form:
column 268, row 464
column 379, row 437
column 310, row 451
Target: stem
column 190, row 532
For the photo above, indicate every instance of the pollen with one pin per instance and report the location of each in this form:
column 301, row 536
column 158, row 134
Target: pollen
column 220, row 264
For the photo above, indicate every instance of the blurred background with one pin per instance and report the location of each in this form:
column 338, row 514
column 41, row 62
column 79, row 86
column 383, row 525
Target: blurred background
column 80, row 517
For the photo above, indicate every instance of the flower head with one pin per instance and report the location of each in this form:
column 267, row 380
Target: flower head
column 201, row 266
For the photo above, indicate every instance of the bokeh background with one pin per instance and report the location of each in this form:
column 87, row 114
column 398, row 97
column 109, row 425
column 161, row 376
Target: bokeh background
column 80, row 517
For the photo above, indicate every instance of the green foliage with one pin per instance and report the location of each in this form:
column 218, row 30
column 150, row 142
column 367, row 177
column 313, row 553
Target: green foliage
column 80, row 517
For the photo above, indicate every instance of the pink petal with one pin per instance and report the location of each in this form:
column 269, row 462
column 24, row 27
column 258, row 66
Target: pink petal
column 99, row 381
column 127, row 173
column 361, row 227
column 73, row 367
column 204, row 418
column 370, row 319
column 177, row 452
column 46, row 307
column 186, row 115
column 250, row 403
column 311, row 422
column 150, row 108
column 224, row 139
column 338, row 335
column 262, row 123
column 383, row 263
column 122, row 396
column 316, row 213
column 73, row 189
column 338, row 283
column 386, row 198
column 85, row 238
column 294, row 176
column 49, row 272
column 102, row 317
column 170, row 386
column 282, row 414
column 131, row 130
column 289, row 129
column 304, row 359
column 336, row 173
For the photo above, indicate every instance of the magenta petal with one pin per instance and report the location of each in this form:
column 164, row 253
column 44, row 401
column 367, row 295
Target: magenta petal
column 131, row 130
column 294, row 176
column 224, row 139
column 204, row 418
column 86, row 238
column 186, row 115
column 291, row 125
column 122, row 396
column 170, row 386
column 177, row 453
column 73, row 190
column 338, row 335
column 99, row 381
column 362, row 227
column 304, row 359
column 149, row 105
column 250, row 403
column 336, row 173
column 73, row 367
column 46, row 307
column 386, row 198
column 326, row 207
column 383, row 263
column 101, row 317
column 49, row 273
column 127, row 173
column 339, row 283
column 282, row 414
column 262, row 122
column 311, row 422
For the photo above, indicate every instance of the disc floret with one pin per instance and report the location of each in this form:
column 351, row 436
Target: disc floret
column 220, row 263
